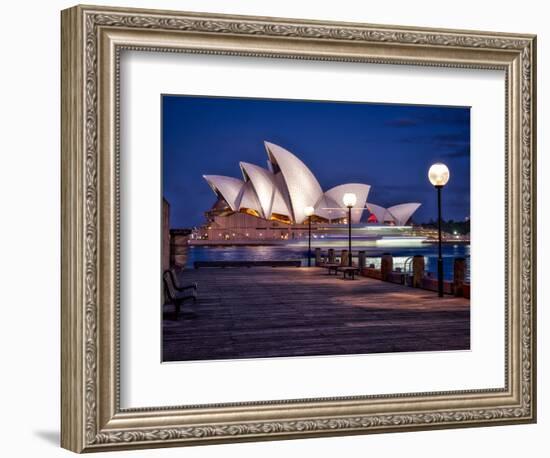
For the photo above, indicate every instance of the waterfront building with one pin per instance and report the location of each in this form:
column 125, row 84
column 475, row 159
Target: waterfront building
column 268, row 204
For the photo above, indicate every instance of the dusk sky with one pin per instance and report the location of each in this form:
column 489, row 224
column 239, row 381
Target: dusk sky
column 389, row 147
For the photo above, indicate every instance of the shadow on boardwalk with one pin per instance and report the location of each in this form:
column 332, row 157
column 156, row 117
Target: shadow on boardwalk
column 275, row 312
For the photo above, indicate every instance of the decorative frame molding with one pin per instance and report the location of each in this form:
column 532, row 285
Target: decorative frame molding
column 92, row 38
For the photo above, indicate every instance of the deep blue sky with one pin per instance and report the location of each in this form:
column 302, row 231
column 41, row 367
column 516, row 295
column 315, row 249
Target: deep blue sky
column 387, row 146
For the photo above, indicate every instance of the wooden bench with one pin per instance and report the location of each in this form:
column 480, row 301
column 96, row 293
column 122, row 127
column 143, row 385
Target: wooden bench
column 223, row 264
column 349, row 271
column 176, row 284
column 332, row 267
column 179, row 296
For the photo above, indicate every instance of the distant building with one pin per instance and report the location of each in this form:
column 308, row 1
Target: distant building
column 269, row 203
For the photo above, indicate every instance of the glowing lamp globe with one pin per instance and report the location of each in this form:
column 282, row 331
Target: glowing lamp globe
column 350, row 199
column 439, row 174
column 308, row 211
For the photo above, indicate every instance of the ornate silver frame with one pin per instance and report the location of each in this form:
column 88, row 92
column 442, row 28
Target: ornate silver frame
column 92, row 38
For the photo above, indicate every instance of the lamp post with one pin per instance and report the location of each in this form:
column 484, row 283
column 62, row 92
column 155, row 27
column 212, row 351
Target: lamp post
column 308, row 211
column 439, row 176
column 350, row 200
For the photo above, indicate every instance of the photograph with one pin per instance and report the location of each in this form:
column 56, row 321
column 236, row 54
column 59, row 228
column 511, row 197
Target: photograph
column 266, row 225
column 301, row 228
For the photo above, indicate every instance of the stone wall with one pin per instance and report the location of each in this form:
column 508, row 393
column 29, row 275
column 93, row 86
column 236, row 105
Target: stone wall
column 179, row 248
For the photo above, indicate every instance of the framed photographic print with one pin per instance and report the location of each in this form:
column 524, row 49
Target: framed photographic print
column 278, row 228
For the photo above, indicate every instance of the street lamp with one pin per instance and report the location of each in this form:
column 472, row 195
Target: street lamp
column 350, row 200
column 308, row 211
column 439, row 176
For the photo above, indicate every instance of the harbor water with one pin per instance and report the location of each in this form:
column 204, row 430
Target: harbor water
column 401, row 252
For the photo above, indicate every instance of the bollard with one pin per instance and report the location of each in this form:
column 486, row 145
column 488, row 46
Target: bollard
column 386, row 266
column 331, row 257
column 318, row 260
column 418, row 271
column 361, row 259
column 459, row 272
column 344, row 258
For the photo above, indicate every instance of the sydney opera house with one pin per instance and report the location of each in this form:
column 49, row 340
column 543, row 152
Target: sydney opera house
column 270, row 204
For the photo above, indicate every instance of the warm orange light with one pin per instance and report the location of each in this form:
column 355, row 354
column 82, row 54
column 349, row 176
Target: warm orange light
column 280, row 218
column 250, row 211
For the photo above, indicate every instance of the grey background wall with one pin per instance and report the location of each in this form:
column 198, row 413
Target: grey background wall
column 29, row 228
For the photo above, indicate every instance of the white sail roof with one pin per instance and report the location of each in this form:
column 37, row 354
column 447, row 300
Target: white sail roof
column 267, row 192
column 288, row 187
column 398, row 214
column 301, row 185
column 281, row 202
column 403, row 212
column 381, row 213
column 228, row 188
column 327, row 208
column 248, row 199
column 360, row 190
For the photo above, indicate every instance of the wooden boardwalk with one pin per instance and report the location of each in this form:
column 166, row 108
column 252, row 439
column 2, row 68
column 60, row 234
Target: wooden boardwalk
column 289, row 311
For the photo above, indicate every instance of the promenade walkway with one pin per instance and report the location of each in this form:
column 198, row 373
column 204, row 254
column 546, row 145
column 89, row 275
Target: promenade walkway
column 289, row 311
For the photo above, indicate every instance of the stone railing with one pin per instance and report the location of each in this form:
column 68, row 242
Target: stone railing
column 417, row 277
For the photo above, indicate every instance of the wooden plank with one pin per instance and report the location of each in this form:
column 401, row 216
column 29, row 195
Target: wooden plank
column 267, row 312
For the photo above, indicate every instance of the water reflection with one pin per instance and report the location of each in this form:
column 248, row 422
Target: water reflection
column 299, row 251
